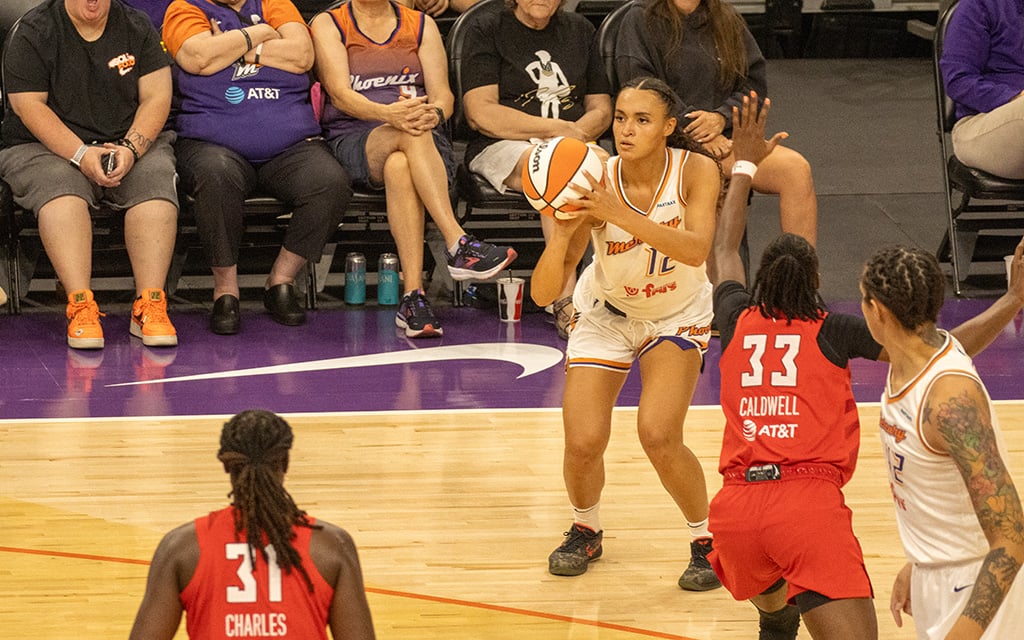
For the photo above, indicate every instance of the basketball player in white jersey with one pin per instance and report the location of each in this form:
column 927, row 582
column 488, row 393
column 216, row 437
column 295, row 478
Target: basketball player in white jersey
column 646, row 297
column 958, row 512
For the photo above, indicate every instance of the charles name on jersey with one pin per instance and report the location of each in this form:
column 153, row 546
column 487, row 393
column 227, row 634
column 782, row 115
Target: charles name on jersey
column 255, row 625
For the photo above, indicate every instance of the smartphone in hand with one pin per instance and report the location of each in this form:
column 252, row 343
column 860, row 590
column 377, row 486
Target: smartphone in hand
column 109, row 162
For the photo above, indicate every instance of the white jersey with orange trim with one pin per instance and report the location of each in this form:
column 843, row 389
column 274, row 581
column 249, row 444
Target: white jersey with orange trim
column 633, row 276
column 934, row 513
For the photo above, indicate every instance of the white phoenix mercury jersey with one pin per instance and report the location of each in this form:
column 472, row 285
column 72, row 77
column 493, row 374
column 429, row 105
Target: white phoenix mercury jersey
column 936, row 518
column 633, row 276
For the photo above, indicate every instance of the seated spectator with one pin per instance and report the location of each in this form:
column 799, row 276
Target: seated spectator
column 262, row 137
column 385, row 74
column 89, row 90
column 983, row 72
column 703, row 50
column 531, row 72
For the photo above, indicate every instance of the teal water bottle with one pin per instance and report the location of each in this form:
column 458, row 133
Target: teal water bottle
column 387, row 279
column 355, row 278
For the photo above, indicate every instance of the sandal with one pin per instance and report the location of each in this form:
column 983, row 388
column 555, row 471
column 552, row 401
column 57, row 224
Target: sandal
column 563, row 312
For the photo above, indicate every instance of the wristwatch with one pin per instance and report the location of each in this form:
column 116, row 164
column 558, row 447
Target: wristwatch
column 440, row 116
column 76, row 160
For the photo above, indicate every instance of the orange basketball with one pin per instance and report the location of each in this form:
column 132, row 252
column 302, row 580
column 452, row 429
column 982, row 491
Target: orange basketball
column 549, row 170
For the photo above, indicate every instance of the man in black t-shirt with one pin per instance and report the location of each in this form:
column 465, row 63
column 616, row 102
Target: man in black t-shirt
column 89, row 90
column 530, row 73
column 526, row 79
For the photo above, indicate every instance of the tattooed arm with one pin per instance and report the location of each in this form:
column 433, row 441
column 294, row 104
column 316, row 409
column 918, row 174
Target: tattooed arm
column 957, row 420
column 150, row 116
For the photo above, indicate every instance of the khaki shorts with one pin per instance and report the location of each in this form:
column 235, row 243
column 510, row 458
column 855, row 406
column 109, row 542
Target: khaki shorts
column 36, row 176
column 991, row 141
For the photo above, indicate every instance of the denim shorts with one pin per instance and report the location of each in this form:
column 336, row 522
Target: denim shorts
column 350, row 150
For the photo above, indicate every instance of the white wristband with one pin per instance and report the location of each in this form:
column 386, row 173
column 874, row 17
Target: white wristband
column 744, row 167
column 76, row 160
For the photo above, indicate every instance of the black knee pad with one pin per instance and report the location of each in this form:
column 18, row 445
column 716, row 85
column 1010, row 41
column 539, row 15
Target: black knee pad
column 779, row 625
column 810, row 599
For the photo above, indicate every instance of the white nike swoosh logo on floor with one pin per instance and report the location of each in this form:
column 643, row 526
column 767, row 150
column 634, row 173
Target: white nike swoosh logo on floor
column 533, row 358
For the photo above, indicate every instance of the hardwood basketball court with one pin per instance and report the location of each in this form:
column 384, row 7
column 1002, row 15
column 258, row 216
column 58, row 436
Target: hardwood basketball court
column 454, row 515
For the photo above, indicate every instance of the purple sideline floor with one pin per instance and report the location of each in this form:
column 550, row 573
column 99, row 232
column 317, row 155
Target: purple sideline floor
column 350, row 359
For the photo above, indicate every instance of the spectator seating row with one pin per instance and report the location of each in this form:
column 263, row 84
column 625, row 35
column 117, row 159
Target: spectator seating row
column 482, row 211
column 365, row 221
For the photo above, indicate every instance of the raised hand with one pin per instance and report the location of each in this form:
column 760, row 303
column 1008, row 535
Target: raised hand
column 748, row 124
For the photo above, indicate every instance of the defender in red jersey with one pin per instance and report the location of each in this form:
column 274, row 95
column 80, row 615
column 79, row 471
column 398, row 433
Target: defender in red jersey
column 792, row 430
column 261, row 567
column 783, row 533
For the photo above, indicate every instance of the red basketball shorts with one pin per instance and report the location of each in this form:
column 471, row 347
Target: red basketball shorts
column 798, row 529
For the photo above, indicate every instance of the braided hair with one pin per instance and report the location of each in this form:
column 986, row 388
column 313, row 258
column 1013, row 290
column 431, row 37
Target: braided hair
column 678, row 139
column 254, row 449
column 908, row 282
column 786, row 284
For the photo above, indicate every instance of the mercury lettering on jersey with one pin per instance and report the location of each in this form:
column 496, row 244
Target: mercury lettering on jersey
column 244, row 70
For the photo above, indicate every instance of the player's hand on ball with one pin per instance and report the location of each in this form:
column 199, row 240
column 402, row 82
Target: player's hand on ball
column 598, row 201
